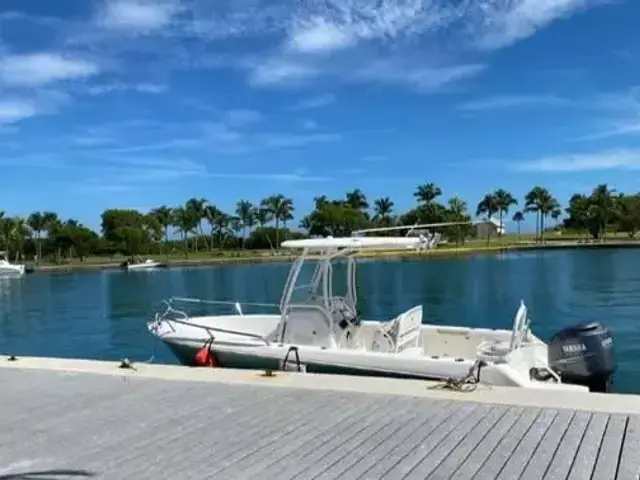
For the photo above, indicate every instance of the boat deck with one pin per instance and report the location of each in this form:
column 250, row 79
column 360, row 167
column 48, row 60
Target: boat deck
column 83, row 421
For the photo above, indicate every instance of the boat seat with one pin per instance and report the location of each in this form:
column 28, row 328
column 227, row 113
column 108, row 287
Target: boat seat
column 307, row 324
column 402, row 333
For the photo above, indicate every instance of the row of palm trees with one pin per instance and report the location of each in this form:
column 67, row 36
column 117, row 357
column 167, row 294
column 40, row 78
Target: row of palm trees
column 276, row 211
column 190, row 217
column 539, row 201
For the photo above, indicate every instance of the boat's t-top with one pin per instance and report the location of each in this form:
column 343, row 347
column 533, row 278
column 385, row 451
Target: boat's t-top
column 339, row 310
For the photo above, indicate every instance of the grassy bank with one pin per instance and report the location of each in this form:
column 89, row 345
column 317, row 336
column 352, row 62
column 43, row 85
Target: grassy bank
column 507, row 243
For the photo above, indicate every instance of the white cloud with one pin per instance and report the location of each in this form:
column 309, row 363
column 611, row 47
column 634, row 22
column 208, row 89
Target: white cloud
column 419, row 78
column 43, row 68
column 318, row 35
column 499, row 23
column 12, row 111
column 621, row 115
column 515, row 101
column 280, row 140
column 426, row 41
column 280, row 71
column 607, row 160
column 224, row 139
column 138, row 15
column 314, row 102
column 281, row 177
column 329, row 27
column 103, row 89
column 335, row 25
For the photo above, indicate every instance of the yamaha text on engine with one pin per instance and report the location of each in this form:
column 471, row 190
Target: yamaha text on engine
column 583, row 354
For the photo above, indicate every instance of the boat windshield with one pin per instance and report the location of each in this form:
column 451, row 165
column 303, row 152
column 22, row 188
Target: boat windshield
column 319, row 280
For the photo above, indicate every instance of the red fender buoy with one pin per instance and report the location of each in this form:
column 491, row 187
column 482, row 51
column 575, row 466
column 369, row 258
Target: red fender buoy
column 205, row 357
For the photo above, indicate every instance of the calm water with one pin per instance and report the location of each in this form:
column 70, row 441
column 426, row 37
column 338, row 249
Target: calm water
column 102, row 315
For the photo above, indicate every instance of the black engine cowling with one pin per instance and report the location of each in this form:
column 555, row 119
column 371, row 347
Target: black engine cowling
column 583, row 354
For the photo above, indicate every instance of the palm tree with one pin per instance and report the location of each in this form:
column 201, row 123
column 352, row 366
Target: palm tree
column 183, row 221
column 518, row 217
column 487, row 206
column 281, row 208
column 357, row 200
column 458, row 213
column 503, row 200
column 457, row 208
column 222, row 224
column 383, row 207
column 211, row 214
column 603, row 200
column 263, row 216
column 532, row 203
column 37, row 224
column 539, row 200
column 427, row 193
column 196, row 207
column 163, row 215
column 245, row 212
column 556, row 213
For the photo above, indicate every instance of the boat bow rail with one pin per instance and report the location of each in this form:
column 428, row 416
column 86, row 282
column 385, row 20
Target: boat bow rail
column 174, row 316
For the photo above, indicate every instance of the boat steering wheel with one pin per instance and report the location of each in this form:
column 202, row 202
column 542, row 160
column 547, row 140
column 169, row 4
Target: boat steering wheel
column 343, row 314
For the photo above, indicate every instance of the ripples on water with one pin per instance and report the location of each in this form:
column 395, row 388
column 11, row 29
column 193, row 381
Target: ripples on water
column 102, row 314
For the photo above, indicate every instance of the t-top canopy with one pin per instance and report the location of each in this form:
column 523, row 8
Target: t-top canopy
column 356, row 243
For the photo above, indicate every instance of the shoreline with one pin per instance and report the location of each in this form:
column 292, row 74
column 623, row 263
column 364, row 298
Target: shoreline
column 442, row 252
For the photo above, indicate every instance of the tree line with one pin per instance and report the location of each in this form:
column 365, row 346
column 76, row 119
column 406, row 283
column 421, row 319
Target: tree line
column 202, row 227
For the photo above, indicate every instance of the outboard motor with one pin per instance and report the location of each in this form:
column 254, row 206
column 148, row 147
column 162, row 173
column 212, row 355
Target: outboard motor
column 583, row 355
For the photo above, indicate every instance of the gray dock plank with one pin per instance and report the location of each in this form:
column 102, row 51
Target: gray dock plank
column 608, row 457
column 72, row 425
column 543, row 455
column 585, row 459
column 628, row 468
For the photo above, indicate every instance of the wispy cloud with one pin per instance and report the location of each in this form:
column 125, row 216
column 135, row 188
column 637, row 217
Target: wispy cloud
column 318, row 38
column 103, row 89
column 620, row 115
column 314, row 102
column 137, row 15
column 280, row 177
column 32, row 70
column 12, row 111
column 497, row 24
column 344, row 40
column 224, row 139
column 515, row 101
column 128, row 173
column 582, row 162
column 423, row 79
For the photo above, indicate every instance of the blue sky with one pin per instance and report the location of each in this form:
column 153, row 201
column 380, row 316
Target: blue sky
column 130, row 103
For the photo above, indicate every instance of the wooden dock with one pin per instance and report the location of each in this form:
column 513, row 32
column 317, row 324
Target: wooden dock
column 77, row 419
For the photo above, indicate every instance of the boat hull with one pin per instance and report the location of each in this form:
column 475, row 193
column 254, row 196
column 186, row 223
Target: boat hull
column 19, row 270
column 143, row 266
column 186, row 352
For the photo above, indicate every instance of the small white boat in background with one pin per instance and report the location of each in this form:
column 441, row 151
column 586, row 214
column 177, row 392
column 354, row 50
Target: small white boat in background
column 318, row 329
column 148, row 264
column 10, row 269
